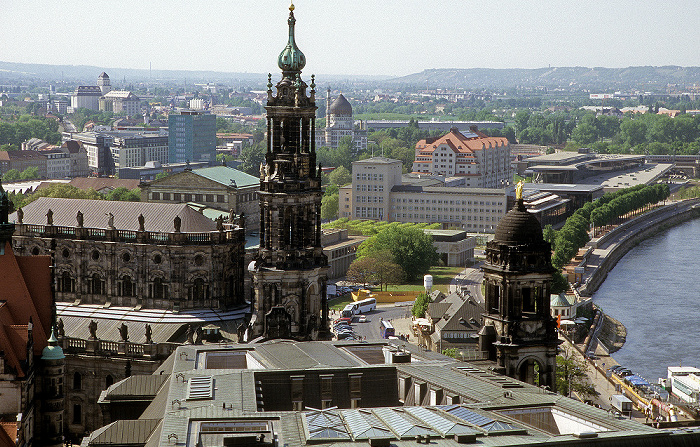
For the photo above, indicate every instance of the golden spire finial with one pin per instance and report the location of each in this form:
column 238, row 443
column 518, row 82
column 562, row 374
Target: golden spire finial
column 291, row 6
column 519, row 191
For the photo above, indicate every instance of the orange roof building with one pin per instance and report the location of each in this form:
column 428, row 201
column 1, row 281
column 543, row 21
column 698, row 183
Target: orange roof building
column 484, row 161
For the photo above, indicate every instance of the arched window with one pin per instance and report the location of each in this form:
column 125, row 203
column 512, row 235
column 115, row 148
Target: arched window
column 158, row 290
column 109, row 381
column 199, row 290
column 125, row 287
column 66, row 283
column 77, row 381
column 96, row 285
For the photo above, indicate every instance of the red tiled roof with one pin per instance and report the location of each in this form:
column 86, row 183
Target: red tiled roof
column 25, row 288
column 8, row 434
column 460, row 143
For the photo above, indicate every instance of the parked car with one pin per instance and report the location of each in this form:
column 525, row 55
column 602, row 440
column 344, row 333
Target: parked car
column 362, row 319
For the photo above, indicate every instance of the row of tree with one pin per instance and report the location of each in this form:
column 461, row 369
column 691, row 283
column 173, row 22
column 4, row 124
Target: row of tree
column 13, row 175
column 574, row 234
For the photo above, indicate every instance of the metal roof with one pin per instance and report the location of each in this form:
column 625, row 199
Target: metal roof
column 158, row 217
column 227, row 176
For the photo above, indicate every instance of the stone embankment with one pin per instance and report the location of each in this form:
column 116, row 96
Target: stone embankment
column 606, row 251
column 603, row 254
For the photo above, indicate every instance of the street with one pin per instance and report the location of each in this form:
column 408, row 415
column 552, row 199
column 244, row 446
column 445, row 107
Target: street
column 370, row 329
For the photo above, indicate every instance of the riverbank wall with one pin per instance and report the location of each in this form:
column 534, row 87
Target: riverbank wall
column 626, row 236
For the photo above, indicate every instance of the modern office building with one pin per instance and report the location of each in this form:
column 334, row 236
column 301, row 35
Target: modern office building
column 379, row 192
column 130, row 149
column 192, row 136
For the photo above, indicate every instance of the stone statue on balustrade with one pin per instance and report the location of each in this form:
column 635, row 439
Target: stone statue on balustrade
column 124, row 332
column 149, row 334
column 92, row 327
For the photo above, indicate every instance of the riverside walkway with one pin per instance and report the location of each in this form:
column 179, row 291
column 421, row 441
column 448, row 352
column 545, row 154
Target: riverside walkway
column 604, row 252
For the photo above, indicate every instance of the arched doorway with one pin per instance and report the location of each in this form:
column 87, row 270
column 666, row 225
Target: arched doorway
column 529, row 371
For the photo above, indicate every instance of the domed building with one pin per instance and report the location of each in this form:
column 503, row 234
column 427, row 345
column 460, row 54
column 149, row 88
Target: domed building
column 339, row 124
column 519, row 333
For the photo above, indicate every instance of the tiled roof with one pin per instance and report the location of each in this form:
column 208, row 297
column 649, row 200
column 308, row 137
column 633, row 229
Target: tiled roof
column 158, row 217
column 460, row 143
column 226, row 175
column 101, row 183
column 8, row 434
column 25, row 289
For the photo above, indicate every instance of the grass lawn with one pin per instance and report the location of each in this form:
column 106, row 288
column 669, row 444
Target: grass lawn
column 339, row 303
column 442, row 276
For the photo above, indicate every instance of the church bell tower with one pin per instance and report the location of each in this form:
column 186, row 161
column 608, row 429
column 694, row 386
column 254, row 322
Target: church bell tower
column 290, row 269
column 518, row 332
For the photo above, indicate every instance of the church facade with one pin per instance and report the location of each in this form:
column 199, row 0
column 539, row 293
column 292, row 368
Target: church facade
column 290, row 270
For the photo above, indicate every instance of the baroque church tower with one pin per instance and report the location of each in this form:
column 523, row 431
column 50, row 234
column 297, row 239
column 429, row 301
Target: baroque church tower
column 519, row 332
column 290, row 269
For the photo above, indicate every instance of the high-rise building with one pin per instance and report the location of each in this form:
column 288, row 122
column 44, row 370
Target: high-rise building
column 290, row 269
column 192, row 136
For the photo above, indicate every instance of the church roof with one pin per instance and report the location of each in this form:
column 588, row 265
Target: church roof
column 518, row 227
column 158, row 217
column 103, row 75
column 340, row 106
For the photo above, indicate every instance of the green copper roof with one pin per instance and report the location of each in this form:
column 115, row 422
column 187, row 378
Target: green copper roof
column 52, row 351
column 226, row 176
column 291, row 58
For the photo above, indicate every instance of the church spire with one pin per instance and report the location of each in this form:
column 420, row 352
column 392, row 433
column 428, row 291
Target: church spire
column 291, row 60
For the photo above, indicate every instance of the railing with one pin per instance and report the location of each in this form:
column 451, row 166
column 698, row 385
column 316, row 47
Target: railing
column 213, row 237
column 117, row 348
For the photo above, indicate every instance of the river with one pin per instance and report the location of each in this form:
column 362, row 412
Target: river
column 653, row 291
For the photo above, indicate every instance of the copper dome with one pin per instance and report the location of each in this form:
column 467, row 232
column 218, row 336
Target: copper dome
column 518, row 227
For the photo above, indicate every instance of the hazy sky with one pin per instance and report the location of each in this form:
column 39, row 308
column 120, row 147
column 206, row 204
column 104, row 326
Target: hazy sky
column 379, row 37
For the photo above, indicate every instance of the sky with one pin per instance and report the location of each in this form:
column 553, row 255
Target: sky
column 351, row 37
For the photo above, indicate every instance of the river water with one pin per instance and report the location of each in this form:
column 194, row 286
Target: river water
column 654, row 291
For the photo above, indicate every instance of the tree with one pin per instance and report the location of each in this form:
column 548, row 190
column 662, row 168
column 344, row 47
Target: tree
column 30, row 173
column 161, row 175
column 549, row 235
column 329, row 207
column 420, row 305
column 124, row 195
column 410, row 247
column 572, row 377
column 340, row 176
column 11, row 176
column 252, row 156
column 379, row 270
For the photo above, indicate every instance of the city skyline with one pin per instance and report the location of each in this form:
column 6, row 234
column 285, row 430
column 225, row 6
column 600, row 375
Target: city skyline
column 353, row 38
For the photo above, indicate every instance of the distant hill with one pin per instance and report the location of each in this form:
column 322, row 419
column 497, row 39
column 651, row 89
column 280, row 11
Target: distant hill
column 569, row 78
column 554, row 77
column 13, row 72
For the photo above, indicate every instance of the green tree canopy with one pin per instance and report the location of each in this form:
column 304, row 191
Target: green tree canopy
column 420, row 305
column 340, row 176
column 329, row 207
column 410, row 247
